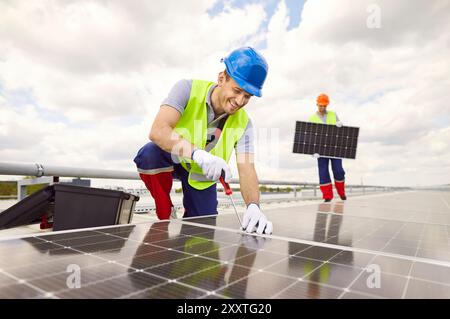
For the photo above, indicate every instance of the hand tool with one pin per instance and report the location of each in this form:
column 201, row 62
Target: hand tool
column 229, row 193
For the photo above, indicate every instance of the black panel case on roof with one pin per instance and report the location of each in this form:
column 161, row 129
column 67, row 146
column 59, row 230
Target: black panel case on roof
column 71, row 207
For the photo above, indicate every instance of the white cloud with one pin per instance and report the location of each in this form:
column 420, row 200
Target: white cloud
column 92, row 59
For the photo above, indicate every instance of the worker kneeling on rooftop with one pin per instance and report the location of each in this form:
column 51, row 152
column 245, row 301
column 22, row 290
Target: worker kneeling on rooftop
column 194, row 134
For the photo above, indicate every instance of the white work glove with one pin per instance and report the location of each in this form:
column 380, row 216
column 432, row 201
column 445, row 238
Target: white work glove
column 211, row 165
column 255, row 220
column 339, row 124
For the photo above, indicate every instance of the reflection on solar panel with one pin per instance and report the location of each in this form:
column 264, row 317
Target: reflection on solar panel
column 326, row 140
column 318, row 251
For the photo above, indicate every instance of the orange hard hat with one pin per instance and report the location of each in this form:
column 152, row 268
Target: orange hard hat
column 323, row 99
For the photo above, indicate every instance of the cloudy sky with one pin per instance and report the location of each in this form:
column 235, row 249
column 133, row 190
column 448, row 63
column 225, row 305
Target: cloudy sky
column 81, row 81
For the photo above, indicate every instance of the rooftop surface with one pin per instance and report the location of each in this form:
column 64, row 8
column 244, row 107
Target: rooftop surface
column 388, row 245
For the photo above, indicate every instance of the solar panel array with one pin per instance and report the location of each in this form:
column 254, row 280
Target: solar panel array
column 326, row 140
column 324, row 251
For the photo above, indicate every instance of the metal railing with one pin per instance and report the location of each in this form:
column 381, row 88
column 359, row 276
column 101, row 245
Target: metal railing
column 50, row 174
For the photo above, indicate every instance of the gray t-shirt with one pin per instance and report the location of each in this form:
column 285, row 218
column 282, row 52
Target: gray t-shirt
column 178, row 99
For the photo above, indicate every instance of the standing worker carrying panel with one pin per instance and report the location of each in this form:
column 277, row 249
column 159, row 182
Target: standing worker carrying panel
column 324, row 116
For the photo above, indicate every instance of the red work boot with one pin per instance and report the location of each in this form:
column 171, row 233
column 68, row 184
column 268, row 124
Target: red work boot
column 327, row 192
column 340, row 188
column 159, row 186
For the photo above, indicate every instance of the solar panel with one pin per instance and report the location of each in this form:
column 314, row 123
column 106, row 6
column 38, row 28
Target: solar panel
column 327, row 257
column 326, row 140
column 360, row 226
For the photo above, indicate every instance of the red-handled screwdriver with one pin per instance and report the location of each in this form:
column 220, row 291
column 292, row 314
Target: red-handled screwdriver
column 229, row 193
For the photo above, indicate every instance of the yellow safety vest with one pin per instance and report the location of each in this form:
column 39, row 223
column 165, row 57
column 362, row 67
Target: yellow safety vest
column 193, row 127
column 331, row 118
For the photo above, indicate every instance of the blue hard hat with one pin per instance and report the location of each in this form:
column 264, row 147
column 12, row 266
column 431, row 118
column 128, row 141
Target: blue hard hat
column 248, row 68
